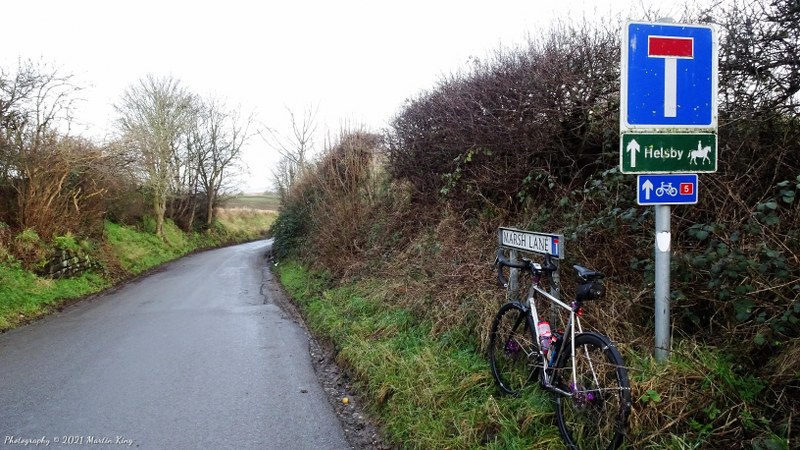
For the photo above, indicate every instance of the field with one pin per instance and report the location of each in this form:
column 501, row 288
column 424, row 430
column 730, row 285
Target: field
column 267, row 202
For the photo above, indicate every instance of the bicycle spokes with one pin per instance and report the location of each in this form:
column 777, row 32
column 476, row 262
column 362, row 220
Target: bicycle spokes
column 510, row 349
column 594, row 413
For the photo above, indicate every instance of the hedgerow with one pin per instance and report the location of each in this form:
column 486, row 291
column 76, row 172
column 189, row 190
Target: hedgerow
column 529, row 137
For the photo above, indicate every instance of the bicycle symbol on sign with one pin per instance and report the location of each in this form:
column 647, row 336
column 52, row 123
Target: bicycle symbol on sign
column 666, row 188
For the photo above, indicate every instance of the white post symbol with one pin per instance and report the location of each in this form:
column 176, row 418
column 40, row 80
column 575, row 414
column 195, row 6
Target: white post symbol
column 671, row 49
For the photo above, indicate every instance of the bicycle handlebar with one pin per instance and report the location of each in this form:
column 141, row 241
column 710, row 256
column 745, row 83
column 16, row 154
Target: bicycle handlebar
column 501, row 259
column 526, row 264
column 591, row 286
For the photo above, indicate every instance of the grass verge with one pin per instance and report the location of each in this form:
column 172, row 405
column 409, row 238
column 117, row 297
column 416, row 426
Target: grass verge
column 433, row 390
column 25, row 296
column 429, row 392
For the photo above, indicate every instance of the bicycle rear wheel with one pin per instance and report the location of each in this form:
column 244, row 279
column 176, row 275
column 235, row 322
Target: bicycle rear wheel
column 595, row 416
column 512, row 348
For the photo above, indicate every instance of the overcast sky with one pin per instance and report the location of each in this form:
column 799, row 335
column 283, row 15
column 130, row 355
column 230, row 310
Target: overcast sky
column 356, row 61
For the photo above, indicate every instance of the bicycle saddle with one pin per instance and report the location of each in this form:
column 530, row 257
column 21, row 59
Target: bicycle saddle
column 588, row 274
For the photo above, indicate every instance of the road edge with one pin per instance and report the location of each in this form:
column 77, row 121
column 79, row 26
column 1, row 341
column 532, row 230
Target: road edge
column 361, row 431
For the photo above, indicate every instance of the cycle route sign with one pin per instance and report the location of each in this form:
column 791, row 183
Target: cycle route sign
column 672, row 189
column 668, row 98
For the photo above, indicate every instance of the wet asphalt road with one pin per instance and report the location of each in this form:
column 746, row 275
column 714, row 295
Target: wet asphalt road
column 191, row 357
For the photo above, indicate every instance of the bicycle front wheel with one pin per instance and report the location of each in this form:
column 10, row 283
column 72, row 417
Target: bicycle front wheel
column 595, row 416
column 512, row 348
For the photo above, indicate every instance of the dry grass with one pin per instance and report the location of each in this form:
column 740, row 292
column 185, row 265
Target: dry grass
column 245, row 220
column 435, row 261
column 265, row 202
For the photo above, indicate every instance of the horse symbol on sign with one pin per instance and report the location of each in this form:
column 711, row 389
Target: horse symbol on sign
column 701, row 152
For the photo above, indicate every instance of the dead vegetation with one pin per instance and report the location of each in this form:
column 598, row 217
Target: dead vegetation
column 529, row 138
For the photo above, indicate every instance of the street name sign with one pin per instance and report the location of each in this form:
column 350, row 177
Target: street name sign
column 528, row 241
column 668, row 153
column 668, row 77
column 673, row 189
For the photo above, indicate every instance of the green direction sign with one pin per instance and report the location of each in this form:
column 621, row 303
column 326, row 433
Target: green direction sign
column 668, row 153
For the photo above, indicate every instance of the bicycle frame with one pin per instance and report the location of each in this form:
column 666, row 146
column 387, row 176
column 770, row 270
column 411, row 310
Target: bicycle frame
column 573, row 325
column 570, row 330
column 572, row 322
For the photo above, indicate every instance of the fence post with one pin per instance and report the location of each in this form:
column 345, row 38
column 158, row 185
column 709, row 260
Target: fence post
column 513, row 276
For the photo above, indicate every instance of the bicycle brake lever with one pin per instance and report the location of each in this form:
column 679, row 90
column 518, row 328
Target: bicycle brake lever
column 501, row 280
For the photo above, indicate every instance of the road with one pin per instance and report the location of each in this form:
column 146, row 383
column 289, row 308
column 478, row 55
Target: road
column 190, row 357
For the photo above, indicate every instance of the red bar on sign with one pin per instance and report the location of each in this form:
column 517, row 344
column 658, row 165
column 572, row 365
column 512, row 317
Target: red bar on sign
column 687, row 188
column 665, row 47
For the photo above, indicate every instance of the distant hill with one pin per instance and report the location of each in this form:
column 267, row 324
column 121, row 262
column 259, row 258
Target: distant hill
column 266, row 201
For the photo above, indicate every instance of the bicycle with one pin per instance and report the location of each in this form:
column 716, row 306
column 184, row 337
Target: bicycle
column 583, row 370
column 666, row 188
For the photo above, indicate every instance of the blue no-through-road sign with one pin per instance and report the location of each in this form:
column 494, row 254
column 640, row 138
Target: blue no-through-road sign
column 669, row 77
column 672, row 189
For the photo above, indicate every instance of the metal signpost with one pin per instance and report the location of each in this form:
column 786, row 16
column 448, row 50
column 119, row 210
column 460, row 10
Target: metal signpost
column 668, row 124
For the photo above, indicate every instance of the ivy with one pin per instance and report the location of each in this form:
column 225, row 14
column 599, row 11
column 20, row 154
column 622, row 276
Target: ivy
column 746, row 269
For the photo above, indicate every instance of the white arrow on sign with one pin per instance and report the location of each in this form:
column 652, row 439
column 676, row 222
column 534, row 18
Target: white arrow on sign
column 633, row 148
column 647, row 187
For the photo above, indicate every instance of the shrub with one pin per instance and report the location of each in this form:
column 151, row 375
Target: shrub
column 30, row 249
column 516, row 126
column 328, row 210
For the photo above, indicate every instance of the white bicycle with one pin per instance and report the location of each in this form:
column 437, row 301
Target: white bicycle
column 583, row 370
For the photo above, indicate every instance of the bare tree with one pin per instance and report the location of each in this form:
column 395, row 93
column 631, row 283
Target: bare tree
column 35, row 110
column 294, row 149
column 153, row 115
column 760, row 57
column 218, row 138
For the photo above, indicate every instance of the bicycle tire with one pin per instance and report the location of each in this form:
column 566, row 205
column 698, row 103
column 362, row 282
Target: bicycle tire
column 595, row 417
column 512, row 348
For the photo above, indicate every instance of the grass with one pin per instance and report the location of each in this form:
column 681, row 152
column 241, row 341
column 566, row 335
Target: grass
column 430, row 393
column 266, row 202
column 25, row 296
column 138, row 251
column 434, row 390
column 703, row 400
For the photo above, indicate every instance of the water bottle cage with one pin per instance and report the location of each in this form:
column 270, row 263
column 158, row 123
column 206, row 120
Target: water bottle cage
column 554, row 347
